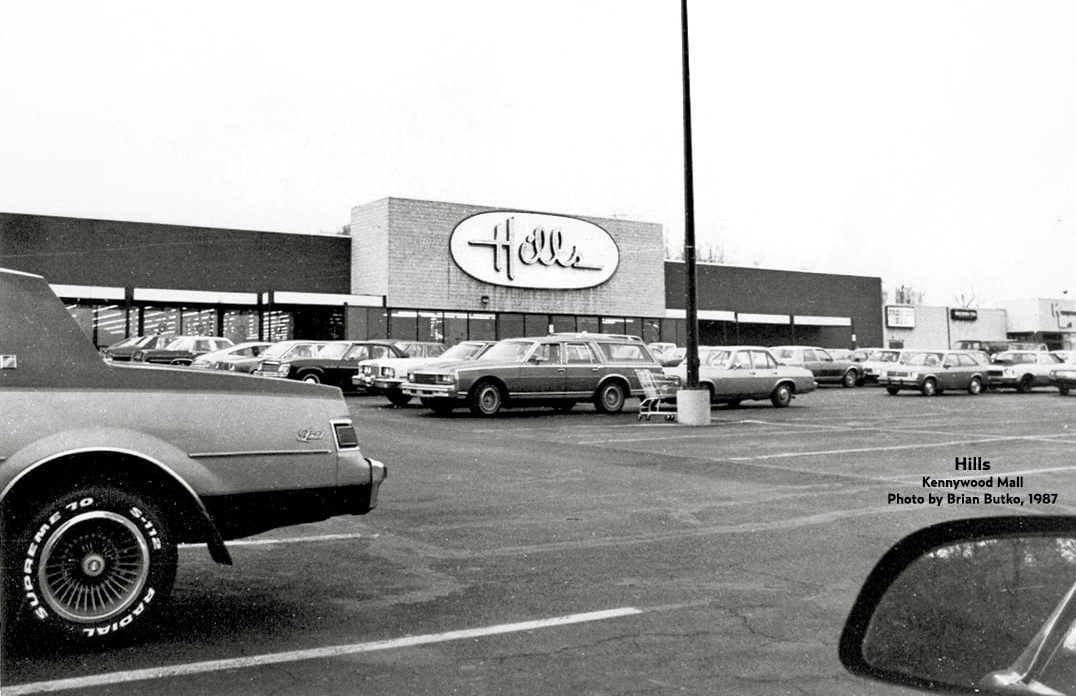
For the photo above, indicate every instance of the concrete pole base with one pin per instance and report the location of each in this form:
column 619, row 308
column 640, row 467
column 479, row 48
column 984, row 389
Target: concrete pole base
column 693, row 406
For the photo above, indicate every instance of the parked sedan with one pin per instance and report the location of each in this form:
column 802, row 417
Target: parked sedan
column 1063, row 377
column 826, row 368
column 877, row 361
column 182, row 350
column 335, row 363
column 107, row 470
column 558, row 370
column 738, row 373
column 1022, row 370
column 122, row 351
column 242, row 357
column 387, row 375
column 932, row 372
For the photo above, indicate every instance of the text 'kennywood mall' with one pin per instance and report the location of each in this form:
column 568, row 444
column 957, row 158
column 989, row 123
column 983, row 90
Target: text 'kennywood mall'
column 412, row 269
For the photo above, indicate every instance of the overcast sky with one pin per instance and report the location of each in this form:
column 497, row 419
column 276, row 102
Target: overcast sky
column 930, row 143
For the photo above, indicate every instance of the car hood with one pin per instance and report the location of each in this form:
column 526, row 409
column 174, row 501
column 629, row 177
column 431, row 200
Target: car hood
column 452, row 366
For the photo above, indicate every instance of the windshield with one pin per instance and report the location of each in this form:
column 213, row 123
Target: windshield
column 178, row 344
column 462, row 351
column 889, row 356
column 1020, row 358
column 508, row 351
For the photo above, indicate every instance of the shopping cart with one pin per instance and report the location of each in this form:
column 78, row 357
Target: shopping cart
column 659, row 395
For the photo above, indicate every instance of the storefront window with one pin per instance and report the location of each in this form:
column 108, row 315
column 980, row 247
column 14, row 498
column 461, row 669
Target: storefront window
column 633, row 327
column 199, row 322
column 587, row 324
column 279, row 326
column 563, row 323
column 482, row 327
column 651, row 330
column 377, row 320
column 241, row 325
column 160, row 320
column 403, row 324
column 612, row 325
column 510, row 326
column 431, row 326
column 455, row 328
column 535, row 324
column 674, row 331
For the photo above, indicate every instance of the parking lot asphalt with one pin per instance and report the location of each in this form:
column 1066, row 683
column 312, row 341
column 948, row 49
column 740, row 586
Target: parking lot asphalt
column 579, row 553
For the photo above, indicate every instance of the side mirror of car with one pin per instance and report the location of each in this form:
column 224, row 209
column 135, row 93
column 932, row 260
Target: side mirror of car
column 984, row 605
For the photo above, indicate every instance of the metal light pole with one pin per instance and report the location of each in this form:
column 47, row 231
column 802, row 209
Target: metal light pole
column 693, row 404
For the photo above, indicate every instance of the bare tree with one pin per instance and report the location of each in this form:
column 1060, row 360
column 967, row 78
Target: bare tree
column 906, row 294
column 966, row 299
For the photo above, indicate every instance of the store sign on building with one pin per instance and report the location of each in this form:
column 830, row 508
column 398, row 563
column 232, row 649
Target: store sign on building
column 963, row 314
column 533, row 250
column 900, row 317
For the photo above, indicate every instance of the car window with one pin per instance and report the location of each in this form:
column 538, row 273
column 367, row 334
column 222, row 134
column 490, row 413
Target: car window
column 508, row 351
column 742, row 360
column 334, row 351
column 950, row 361
column 578, row 353
column 967, row 361
column 202, row 346
column 718, row 357
column 823, row 356
column 762, row 360
column 809, row 356
column 784, row 354
column 547, row 353
column 1048, row 359
column 379, row 352
column 624, row 352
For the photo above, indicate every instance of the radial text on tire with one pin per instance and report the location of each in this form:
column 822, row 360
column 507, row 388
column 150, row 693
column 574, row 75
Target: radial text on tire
column 95, row 564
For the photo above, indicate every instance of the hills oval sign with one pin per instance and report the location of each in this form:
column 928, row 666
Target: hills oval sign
column 534, row 250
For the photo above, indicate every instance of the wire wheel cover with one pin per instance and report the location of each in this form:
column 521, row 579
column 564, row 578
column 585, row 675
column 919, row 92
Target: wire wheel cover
column 94, row 567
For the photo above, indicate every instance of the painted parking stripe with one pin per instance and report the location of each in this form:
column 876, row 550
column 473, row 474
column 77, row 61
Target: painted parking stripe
column 195, row 668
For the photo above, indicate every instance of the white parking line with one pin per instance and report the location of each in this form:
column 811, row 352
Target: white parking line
column 194, row 668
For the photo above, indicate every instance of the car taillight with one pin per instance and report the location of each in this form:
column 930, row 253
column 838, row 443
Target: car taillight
column 346, row 437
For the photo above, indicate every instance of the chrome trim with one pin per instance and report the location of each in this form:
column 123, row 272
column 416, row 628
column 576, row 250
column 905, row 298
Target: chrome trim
column 83, row 450
column 257, row 453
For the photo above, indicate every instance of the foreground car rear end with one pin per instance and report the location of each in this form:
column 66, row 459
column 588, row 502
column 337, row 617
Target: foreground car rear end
column 105, row 469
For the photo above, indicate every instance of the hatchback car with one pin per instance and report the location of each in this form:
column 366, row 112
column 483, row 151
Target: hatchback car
column 933, row 371
column 826, row 368
column 558, row 370
column 738, row 373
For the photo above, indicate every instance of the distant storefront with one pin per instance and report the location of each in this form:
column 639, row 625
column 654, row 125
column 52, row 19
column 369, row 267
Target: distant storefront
column 424, row 270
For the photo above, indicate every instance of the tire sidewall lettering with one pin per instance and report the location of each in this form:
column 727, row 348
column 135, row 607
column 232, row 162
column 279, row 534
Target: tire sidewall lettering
column 64, row 510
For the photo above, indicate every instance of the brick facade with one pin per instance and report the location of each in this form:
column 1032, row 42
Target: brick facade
column 400, row 249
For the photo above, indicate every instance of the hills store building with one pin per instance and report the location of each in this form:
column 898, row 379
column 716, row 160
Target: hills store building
column 424, row 270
